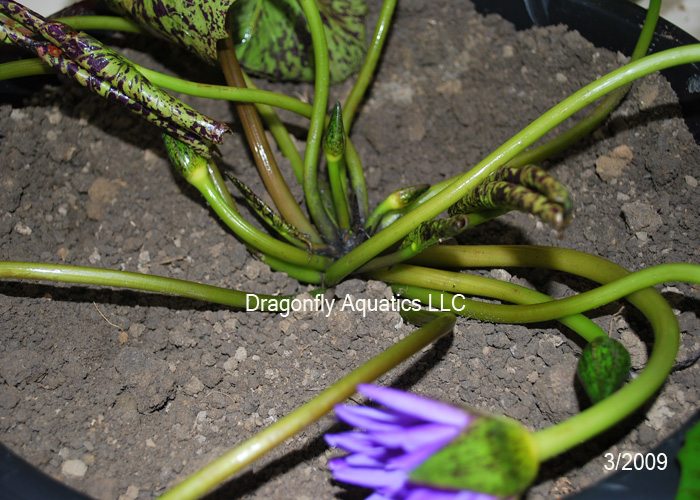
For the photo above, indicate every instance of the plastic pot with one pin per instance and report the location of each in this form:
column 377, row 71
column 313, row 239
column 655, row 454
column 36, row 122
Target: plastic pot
column 613, row 24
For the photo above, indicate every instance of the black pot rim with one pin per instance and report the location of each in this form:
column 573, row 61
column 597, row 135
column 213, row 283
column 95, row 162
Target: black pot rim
column 614, row 25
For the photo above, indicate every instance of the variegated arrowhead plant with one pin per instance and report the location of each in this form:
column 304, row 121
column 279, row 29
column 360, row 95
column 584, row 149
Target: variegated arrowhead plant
column 448, row 453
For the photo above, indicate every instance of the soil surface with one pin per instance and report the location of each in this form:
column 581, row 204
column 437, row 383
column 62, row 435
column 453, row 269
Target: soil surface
column 122, row 394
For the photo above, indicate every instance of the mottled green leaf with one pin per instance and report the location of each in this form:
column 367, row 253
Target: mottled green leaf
column 603, row 368
column 194, row 24
column 435, row 231
column 183, row 157
column 271, row 35
column 689, row 457
column 494, row 455
column 272, row 38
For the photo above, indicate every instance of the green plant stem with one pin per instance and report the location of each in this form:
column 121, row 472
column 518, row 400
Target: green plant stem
column 251, row 235
column 606, row 106
column 484, row 287
column 318, row 117
column 357, row 179
column 336, row 171
column 364, row 79
column 384, row 208
column 299, row 273
column 281, row 134
column 216, row 472
column 468, row 181
column 116, row 23
column 326, row 198
column 406, row 253
column 33, row 67
column 272, row 178
column 62, row 273
column 564, row 436
column 22, row 68
column 274, row 221
column 390, row 259
column 555, row 309
column 220, row 185
column 366, row 74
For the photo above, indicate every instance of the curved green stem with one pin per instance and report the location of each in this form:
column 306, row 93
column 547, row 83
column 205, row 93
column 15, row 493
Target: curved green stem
column 507, row 151
column 299, row 273
column 213, row 474
column 606, row 106
column 63, row 273
column 498, row 313
column 318, row 117
column 33, row 67
column 366, row 74
column 357, row 179
column 222, row 92
column 561, row 437
column 281, row 134
column 220, row 185
column 484, row 287
column 251, row 235
column 564, row 436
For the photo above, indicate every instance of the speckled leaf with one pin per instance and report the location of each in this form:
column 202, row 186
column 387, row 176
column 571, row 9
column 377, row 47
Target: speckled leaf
column 270, row 217
column 271, row 36
column 184, row 159
column 689, row 457
column 603, row 368
column 194, row 24
column 528, row 189
column 494, row 456
column 273, row 40
column 103, row 71
column 432, row 232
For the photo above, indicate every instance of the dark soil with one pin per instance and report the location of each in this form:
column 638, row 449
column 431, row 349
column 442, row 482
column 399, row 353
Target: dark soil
column 122, row 394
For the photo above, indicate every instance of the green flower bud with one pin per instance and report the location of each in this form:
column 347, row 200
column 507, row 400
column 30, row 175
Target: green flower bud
column 334, row 142
column 603, row 368
column 493, row 455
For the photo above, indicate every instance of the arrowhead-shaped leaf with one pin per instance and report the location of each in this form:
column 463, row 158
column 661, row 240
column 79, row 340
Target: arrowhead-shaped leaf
column 273, row 40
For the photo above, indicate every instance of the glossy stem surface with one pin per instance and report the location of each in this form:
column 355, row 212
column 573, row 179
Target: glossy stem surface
column 250, row 234
column 264, row 158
